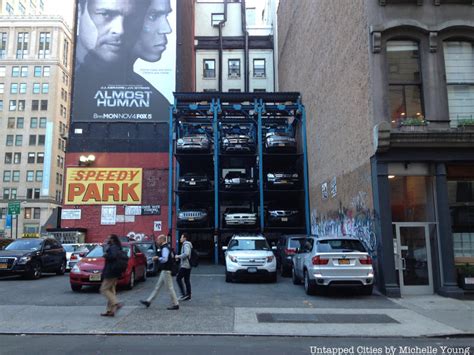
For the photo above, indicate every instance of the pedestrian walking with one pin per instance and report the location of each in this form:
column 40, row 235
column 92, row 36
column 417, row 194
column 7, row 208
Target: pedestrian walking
column 166, row 259
column 112, row 271
column 184, row 268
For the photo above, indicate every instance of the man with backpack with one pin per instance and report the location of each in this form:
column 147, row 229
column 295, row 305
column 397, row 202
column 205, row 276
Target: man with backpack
column 185, row 267
column 166, row 260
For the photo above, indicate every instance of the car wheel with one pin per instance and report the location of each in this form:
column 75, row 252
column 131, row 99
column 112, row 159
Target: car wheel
column 76, row 288
column 309, row 286
column 228, row 277
column 294, row 278
column 367, row 290
column 35, row 271
column 131, row 282
column 62, row 268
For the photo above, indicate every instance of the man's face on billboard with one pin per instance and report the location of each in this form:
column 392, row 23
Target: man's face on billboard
column 152, row 40
column 108, row 27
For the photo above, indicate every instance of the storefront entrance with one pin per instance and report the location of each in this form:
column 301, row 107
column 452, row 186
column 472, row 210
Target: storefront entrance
column 413, row 258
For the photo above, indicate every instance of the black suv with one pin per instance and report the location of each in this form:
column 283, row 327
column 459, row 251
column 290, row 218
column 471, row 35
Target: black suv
column 286, row 247
column 238, row 139
column 31, row 257
column 194, row 181
column 237, row 180
column 193, row 216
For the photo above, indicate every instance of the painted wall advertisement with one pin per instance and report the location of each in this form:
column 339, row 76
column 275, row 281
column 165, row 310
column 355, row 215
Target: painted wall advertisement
column 101, row 186
column 125, row 65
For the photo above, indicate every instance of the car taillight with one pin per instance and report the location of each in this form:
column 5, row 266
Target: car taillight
column 73, row 257
column 318, row 261
column 366, row 261
column 270, row 259
column 290, row 251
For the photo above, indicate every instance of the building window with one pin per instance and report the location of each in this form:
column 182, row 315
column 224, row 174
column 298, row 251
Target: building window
column 3, row 71
column 21, row 105
column 10, row 9
column 6, row 193
column 46, row 71
column 23, row 88
column 36, row 88
column 3, row 45
column 44, row 44
column 41, row 139
column 36, row 193
column 32, row 140
column 22, row 44
column 1, row 105
column 404, row 80
column 235, row 90
column 34, row 122
column 30, row 175
column 45, row 88
column 216, row 19
column 65, row 52
column 209, row 68
column 39, row 175
column 11, row 122
column 34, row 105
column 24, row 71
column 42, row 122
column 44, row 105
column 13, row 88
column 259, row 70
column 7, row 176
column 8, row 158
column 15, row 71
column 259, row 90
column 9, row 141
column 2, row 88
column 20, row 122
column 234, row 68
column 28, row 213
column 459, row 63
column 40, row 158
column 12, row 105
column 31, row 158
column 37, row 71
column 17, row 158
column 36, row 213
column 16, row 176
column 18, row 140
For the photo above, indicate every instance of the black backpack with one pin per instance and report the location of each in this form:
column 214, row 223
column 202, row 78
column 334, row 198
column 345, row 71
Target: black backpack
column 194, row 258
column 121, row 263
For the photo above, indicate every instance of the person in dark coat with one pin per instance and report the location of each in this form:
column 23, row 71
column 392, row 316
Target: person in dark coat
column 110, row 275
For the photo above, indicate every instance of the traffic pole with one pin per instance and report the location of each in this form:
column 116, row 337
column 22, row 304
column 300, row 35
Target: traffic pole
column 16, row 227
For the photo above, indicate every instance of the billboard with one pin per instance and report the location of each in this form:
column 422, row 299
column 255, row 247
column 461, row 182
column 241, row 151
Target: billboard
column 125, row 60
column 103, row 186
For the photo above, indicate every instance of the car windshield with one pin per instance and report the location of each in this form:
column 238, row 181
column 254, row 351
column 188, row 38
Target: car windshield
column 295, row 243
column 248, row 244
column 146, row 248
column 70, row 248
column 98, row 251
column 25, row 244
column 340, row 245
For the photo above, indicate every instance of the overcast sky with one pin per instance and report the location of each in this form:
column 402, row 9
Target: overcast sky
column 64, row 8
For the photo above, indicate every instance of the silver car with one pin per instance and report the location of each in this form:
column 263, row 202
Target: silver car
column 333, row 261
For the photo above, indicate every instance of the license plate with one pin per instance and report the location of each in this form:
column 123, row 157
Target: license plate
column 192, row 183
column 238, row 145
column 284, row 219
column 252, row 270
column 3, row 266
column 191, row 219
column 344, row 262
column 283, row 181
column 469, row 280
column 96, row 277
column 281, row 144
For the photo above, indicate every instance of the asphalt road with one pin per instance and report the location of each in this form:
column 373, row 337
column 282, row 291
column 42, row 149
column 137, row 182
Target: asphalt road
column 195, row 345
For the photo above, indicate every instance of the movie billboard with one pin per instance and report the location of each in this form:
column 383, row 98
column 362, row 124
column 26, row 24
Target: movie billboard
column 125, row 60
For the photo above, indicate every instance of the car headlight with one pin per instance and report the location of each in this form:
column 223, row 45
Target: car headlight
column 270, row 258
column 180, row 141
column 291, row 140
column 270, row 176
column 233, row 258
column 76, row 268
column 24, row 259
column 225, row 141
column 295, row 175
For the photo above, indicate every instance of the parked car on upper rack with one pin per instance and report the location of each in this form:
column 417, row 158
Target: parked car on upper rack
column 31, row 257
column 239, row 216
column 194, row 181
column 76, row 251
column 278, row 216
column 280, row 141
column 194, row 142
column 287, row 246
column 237, row 180
column 237, row 139
column 88, row 271
column 333, row 261
column 150, row 250
column 282, row 180
column 249, row 254
column 193, row 215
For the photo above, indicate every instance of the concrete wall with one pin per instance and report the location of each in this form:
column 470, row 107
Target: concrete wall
column 326, row 59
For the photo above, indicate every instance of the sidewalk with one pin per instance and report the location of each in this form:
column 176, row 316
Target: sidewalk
column 218, row 308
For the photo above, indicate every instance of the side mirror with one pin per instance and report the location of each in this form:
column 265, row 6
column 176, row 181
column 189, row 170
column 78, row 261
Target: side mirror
column 224, row 248
column 274, row 247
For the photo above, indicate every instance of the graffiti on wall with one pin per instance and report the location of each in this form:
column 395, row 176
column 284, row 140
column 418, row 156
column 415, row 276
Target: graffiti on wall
column 137, row 236
column 356, row 219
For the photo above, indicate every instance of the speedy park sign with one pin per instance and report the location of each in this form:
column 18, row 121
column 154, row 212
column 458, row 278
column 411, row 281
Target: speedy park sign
column 100, row 186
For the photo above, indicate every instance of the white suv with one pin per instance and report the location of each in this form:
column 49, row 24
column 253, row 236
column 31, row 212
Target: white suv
column 249, row 254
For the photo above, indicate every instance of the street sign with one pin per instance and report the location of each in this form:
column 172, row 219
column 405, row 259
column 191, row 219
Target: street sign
column 14, row 208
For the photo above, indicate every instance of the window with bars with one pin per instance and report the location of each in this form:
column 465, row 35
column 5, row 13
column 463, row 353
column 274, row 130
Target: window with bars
column 44, row 44
column 234, row 68
column 405, row 82
column 259, row 68
column 459, row 66
column 22, row 44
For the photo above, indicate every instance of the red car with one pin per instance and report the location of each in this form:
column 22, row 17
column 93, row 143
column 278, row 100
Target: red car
column 88, row 271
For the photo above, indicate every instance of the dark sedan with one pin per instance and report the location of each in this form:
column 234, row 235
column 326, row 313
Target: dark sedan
column 282, row 180
column 31, row 257
column 286, row 249
column 194, row 181
column 283, row 217
column 237, row 180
